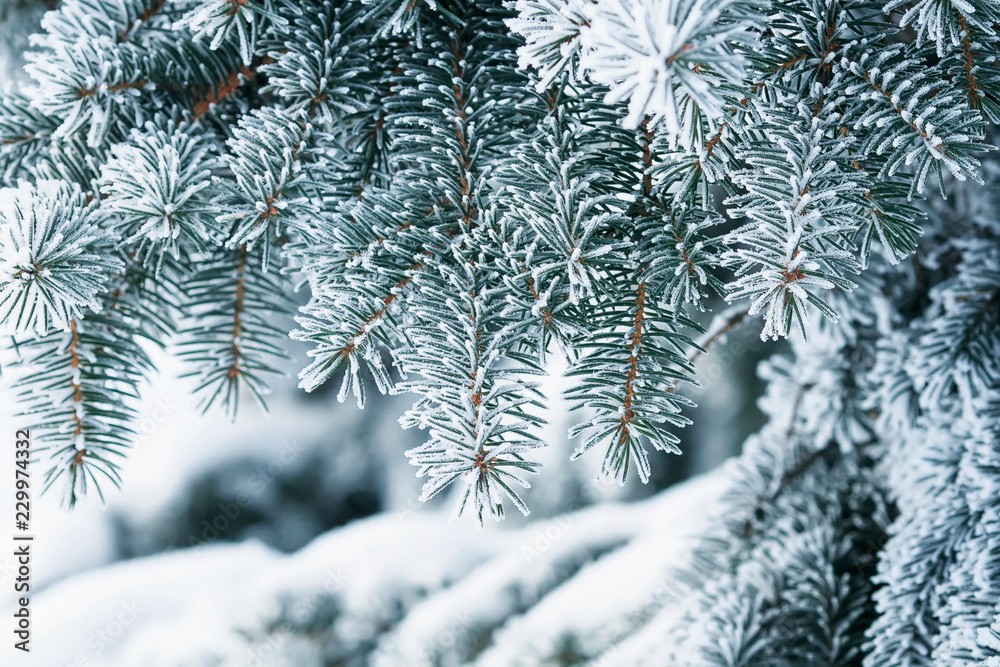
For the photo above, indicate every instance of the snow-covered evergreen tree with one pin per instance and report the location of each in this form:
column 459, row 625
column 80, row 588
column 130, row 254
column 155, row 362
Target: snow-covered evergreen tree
column 463, row 188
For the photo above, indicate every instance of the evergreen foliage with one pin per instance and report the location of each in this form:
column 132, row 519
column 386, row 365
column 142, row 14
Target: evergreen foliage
column 467, row 187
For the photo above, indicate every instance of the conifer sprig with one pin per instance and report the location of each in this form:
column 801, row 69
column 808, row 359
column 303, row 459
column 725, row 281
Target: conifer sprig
column 490, row 183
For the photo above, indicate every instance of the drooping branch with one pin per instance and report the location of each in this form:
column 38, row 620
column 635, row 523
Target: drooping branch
column 75, row 382
column 377, row 316
column 969, row 63
column 238, row 306
column 635, row 349
column 470, row 213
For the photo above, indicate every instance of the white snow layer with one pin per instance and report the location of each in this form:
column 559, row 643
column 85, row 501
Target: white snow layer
column 401, row 589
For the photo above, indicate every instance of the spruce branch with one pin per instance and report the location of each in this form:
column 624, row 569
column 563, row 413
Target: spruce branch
column 156, row 189
column 625, row 376
column 54, row 258
column 232, row 337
